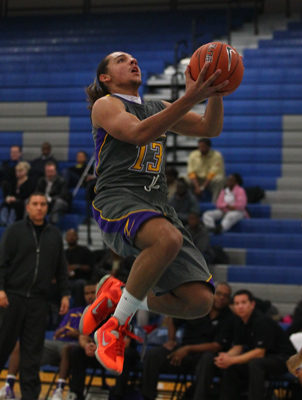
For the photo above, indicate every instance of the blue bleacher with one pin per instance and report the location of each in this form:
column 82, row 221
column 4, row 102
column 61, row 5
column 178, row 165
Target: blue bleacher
column 259, row 240
column 262, row 274
column 255, row 225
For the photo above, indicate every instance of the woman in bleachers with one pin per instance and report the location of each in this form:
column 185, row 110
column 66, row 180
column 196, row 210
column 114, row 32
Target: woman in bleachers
column 15, row 193
column 231, row 206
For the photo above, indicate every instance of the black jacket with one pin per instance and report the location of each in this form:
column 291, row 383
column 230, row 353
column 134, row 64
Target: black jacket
column 26, row 266
column 59, row 188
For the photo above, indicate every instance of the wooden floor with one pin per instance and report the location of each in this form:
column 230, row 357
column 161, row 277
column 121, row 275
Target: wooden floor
column 96, row 392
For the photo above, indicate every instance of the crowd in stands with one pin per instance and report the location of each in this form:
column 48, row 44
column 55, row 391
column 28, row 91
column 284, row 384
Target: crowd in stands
column 19, row 178
column 233, row 350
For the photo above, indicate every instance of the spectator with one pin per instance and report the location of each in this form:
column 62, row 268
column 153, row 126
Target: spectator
column 184, row 202
column 31, row 254
column 261, row 349
column 38, row 164
column 199, row 233
column 73, row 174
column 206, row 169
column 231, row 206
column 15, row 193
column 7, row 170
column 79, row 266
column 56, row 191
column 171, row 177
column 202, row 340
column 56, row 351
column 296, row 325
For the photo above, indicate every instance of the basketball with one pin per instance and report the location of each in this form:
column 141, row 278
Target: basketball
column 221, row 56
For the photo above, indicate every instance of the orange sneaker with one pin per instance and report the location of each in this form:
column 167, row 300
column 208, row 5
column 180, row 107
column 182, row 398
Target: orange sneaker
column 108, row 294
column 110, row 342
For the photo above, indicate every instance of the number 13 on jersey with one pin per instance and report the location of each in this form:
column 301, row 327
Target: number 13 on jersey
column 153, row 166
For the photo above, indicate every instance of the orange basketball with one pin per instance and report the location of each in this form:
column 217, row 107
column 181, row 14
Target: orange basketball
column 221, row 56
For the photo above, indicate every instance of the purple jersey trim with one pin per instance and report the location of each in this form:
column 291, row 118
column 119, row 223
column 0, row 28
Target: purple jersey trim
column 128, row 225
column 99, row 143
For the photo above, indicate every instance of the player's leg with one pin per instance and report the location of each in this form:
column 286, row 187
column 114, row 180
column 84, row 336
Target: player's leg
column 159, row 242
column 189, row 300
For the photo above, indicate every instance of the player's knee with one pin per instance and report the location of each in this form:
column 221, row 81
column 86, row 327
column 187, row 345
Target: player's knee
column 174, row 240
column 206, row 301
column 203, row 302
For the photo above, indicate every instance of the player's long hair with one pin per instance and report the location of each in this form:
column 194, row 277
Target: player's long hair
column 97, row 89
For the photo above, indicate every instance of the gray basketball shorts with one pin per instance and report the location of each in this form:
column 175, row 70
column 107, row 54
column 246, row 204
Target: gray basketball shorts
column 120, row 213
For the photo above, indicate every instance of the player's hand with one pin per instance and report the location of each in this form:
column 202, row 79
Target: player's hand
column 3, row 299
column 200, row 89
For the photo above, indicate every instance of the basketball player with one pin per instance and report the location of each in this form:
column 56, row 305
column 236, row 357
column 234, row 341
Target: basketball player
column 131, row 205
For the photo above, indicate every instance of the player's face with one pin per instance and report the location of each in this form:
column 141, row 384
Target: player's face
column 243, row 307
column 37, row 209
column 89, row 293
column 122, row 69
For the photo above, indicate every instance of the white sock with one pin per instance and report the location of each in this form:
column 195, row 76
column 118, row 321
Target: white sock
column 127, row 307
column 144, row 304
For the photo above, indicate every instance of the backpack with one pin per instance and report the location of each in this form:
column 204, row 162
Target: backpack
column 254, row 194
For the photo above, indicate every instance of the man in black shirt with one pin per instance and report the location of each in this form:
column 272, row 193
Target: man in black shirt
column 31, row 255
column 201, row 341
column 261, row 348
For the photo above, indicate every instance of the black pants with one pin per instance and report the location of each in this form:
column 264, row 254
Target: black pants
column 252, row 375
column 156, row 362
column 205, row 371
column 80, row 361
column 24, row 318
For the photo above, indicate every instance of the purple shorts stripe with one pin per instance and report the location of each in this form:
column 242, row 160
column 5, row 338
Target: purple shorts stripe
column 127, row 225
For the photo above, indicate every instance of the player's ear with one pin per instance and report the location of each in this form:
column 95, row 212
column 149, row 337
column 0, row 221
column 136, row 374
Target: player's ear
column 104, row 78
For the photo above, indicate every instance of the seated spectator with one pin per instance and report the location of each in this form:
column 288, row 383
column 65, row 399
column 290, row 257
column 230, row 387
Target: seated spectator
column 203, row 338
column 261, row 349
column 56, row 191
column 184, row 202
column 79, row 266
column 231, row 206
column 201, row 239
column 56, row 351
column 15, row 194
column 206, row 169
column 7, row 169
column 200, row 235
column 38, row 164
column 171, row 176
column 73, row 174
column 296, row 325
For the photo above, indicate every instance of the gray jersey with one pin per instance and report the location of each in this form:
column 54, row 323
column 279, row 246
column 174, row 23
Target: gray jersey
column 125, row 165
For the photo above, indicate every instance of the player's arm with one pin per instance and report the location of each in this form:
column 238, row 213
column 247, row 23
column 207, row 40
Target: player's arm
column 208, row 125
column 109, row 113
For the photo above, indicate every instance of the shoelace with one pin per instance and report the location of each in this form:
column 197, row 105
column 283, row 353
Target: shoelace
column 125, row 331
